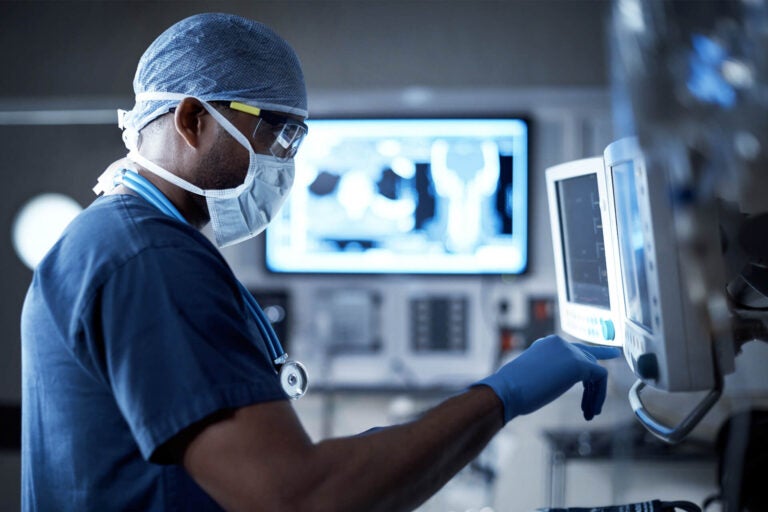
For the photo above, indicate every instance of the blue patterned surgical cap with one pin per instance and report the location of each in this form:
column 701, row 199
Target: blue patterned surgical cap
column 218, row 57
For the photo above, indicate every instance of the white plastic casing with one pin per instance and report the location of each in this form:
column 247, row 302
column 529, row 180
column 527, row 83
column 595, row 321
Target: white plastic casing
column 673, row 353
column 591, row 323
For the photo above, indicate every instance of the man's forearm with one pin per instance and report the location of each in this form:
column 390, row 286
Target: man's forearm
column 399, row 467
column 261, row 458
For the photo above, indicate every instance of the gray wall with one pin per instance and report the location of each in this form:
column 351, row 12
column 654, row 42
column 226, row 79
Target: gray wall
column 63, row 49
column 82, row 54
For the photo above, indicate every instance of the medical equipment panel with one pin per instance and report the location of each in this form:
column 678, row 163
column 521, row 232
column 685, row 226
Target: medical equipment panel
column 439, row 324
column 588, row 285
column 664, row 340
column 348, row 320
column 406, row 196
column 394, row 334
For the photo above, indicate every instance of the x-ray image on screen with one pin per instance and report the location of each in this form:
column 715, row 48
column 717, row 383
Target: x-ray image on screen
column 406, row 196
column 586, row 276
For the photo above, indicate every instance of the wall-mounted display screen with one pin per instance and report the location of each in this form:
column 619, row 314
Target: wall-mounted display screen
column 408, row 196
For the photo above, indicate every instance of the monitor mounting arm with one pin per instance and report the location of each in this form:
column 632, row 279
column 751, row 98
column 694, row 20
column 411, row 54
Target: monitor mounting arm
column 681, row 430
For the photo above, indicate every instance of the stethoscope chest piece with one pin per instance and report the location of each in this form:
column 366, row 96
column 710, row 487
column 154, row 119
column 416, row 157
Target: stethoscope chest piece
column 293, row 379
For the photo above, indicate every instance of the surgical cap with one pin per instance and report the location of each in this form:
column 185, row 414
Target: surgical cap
column 218, row 57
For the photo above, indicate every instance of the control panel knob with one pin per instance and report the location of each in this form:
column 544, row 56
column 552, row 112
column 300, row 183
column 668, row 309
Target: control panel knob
column 608, row 330
column 647, row 366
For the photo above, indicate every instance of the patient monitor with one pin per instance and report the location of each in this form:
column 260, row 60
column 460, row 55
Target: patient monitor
column 584, row 250
column 666, row 342
column 629, row 250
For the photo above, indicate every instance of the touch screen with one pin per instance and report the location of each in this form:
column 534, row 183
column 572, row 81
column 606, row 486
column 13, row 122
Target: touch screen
column 583, row 244
column 632, row 244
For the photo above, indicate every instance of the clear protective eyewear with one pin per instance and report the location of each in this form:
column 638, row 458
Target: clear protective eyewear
column 281, row 134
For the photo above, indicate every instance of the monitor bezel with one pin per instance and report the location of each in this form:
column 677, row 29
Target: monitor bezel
column 582, row 321
column 428, row 116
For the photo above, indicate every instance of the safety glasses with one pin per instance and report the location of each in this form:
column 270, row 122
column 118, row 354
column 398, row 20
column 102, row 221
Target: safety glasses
column 281, row 135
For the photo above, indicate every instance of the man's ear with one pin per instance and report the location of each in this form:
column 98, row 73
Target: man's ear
column 190, row 120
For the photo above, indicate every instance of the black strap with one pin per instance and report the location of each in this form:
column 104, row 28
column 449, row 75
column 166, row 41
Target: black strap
column 645, row 506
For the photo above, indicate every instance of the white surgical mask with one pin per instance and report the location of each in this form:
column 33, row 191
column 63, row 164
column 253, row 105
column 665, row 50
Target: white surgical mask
column 239, row 213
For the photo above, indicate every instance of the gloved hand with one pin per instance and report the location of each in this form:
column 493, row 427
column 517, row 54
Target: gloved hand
column 546, row 370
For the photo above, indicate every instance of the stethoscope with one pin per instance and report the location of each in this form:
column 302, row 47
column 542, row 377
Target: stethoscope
column 293, row 375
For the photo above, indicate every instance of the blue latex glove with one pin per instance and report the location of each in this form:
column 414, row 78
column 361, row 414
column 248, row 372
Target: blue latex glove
column 546, row 370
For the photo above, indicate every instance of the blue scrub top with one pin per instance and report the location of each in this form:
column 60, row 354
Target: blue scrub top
column 132, row 330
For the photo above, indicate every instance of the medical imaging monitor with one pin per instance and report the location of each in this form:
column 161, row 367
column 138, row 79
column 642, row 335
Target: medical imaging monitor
column 406, row 196
column 589, row 292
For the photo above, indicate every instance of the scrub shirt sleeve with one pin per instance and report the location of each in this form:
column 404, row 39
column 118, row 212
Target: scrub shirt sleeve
column 178, row 343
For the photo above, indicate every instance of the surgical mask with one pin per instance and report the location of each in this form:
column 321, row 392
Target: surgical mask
column 239, row 213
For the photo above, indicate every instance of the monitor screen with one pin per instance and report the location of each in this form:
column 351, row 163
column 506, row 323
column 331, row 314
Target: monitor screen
column 632, row 245
column 584, row 249
column 583, row 245
column 409, row 196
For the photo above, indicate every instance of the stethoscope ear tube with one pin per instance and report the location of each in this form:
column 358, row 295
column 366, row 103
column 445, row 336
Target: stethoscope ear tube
column 293, row 374
column 276, row 351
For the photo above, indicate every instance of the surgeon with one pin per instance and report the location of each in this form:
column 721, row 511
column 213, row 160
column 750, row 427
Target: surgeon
column 150, row 380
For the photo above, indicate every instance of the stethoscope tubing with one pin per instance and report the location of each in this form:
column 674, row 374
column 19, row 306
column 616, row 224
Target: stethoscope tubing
column 145, row 189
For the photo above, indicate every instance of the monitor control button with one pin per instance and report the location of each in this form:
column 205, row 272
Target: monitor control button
column 647, row 366
column 607, row 329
